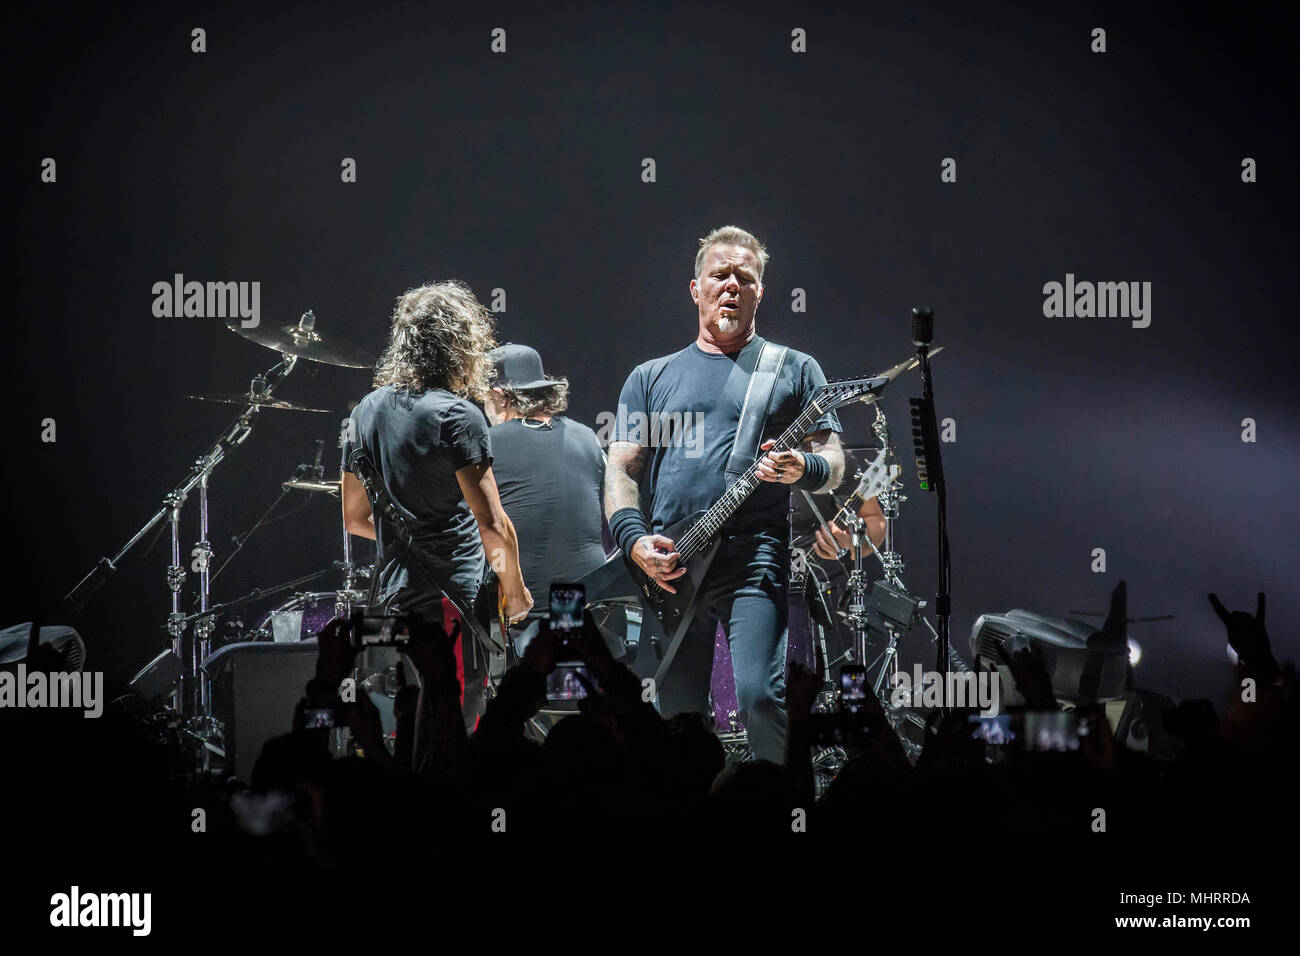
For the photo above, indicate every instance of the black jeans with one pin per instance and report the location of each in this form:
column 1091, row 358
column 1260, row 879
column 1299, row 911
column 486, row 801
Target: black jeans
column 745, row 590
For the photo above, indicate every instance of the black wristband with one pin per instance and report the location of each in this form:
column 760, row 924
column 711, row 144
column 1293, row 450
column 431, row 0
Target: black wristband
column 816, row 472
column 626, row 525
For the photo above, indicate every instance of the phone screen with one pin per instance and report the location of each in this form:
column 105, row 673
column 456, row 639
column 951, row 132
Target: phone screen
column 996, row 731
column 379, row 630
column 567, row 604
column 1051, row 730
column 853, row 683
column 563, row 684
column 316, row 718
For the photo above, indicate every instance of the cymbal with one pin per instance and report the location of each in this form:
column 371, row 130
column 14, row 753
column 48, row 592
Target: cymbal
column 329, row 487
column 906, row 365
column 261, row 401
column 302, row 339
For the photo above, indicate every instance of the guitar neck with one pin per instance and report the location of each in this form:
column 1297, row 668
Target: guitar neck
column 704, row 530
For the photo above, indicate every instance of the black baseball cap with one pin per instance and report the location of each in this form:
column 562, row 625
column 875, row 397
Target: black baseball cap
column 518, row 366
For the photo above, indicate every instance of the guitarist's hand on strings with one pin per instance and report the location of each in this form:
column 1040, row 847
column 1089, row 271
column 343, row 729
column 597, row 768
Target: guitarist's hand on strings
column 783, row 466
column 656, row 556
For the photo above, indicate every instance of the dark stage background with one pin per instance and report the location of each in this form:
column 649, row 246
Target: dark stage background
column 523, row 171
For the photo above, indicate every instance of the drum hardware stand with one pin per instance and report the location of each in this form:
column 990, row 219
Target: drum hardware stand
column 348, row 568
column 192, row 698
column 892, row 565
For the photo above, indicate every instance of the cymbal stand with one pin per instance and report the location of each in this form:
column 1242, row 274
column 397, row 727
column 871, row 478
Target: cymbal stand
column 863, row 626
column 192, row 698
column 348, row 568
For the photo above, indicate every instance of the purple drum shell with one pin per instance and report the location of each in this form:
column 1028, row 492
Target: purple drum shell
column 318, row 609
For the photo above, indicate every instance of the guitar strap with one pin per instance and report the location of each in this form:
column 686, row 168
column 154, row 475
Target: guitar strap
column 749, row 434
column 753, row 414
column 383, row 503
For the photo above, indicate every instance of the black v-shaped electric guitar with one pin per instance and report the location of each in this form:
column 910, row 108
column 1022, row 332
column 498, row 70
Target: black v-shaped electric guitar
column 696, row 537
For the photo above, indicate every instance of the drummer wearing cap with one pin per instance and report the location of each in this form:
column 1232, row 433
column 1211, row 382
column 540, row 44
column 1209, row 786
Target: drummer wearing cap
column 549, row 470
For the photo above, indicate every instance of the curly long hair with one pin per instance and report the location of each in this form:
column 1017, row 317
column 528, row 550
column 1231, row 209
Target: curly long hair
column 550, row 399
column 440, row 339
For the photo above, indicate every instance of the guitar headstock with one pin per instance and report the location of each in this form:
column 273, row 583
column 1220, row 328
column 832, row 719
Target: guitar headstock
column 845, row 391
column 877, row 478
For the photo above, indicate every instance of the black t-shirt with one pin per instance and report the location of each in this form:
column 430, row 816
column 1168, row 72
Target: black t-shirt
column 685, row 407
column 418, row 441
column 550, row 478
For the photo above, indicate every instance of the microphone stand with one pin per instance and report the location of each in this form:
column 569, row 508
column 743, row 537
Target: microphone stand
column 926, row 431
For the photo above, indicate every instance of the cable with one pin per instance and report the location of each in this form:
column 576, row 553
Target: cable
column 242, row 539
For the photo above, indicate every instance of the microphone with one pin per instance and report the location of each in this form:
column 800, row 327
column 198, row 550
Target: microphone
column 922, row 327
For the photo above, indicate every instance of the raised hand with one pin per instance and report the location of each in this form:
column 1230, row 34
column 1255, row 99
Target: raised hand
column 590, row 645
column 1247, row 635
column 540, row 652
column 337, row 655
column 801, row 688
column 367, row 727
column 430, row 648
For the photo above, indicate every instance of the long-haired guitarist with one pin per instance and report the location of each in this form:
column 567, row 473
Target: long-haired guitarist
column 671, row 443
column 430, row 443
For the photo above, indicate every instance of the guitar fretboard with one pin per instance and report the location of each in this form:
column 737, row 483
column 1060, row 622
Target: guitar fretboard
column 704, row 530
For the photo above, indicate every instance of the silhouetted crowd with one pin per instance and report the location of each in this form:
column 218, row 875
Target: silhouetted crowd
column 615, row 778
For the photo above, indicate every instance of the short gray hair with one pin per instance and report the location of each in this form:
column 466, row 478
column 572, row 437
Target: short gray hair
column 731, row 236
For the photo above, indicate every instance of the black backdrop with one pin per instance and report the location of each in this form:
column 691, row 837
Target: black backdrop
column 522, row 171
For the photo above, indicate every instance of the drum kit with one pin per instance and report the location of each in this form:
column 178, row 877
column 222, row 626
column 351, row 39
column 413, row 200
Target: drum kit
column 305, row 612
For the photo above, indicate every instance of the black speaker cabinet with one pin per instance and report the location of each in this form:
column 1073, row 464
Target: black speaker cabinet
column 256, row 686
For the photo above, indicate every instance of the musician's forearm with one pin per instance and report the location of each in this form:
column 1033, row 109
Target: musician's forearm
column 875, row 528
column 362, row 529
column 620, row 491
column 830, row 449
column 622, row 474
column 835, row 458
column 501, row 545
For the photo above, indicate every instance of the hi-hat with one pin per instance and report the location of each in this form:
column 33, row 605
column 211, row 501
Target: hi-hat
column 302, row 339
